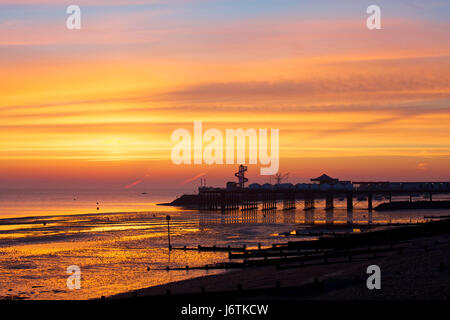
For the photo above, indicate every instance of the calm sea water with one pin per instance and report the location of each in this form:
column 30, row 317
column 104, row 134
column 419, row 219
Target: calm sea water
column 44, row 232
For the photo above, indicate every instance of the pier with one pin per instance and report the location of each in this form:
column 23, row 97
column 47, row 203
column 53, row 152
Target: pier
column 237, row 196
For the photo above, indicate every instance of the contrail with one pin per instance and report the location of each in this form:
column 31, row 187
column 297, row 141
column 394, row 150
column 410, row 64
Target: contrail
column 191, row 179
column 131, row 185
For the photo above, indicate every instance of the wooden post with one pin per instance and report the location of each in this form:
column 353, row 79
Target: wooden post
column 168, row 231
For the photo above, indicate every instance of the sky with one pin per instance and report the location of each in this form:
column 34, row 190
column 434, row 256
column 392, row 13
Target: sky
column 96, row 107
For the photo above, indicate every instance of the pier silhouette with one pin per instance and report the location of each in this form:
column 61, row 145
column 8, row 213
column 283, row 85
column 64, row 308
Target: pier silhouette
column 237, row 196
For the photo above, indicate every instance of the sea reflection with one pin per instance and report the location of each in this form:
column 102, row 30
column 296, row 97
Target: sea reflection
column 115, row 250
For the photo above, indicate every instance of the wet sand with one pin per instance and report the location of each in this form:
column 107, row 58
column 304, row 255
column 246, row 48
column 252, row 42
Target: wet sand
column 419, row 271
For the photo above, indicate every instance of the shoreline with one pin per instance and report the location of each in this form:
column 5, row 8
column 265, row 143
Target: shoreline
column 429, row 278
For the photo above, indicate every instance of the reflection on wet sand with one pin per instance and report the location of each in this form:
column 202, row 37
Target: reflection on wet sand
column 122, row 251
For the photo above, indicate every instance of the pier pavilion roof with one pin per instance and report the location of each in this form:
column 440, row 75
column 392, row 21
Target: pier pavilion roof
column 325, row 179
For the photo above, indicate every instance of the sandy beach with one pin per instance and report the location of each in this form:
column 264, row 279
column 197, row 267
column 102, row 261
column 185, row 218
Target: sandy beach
column 421, row 270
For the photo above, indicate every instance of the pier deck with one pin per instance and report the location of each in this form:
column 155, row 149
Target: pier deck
column 247, row 199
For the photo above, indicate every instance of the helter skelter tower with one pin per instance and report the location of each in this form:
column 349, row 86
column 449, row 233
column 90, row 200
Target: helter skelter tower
column 241, row 176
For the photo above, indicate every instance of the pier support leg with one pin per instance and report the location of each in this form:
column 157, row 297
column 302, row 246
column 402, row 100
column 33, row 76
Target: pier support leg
column 349, row 217
column 223, row 201
column 309, row 201
column 309, row 217
column 289, row 201
column 329, row 202
column 274, row 200
column 329, row 217
column 269, row 201
column 369, row 200
column 349, row 201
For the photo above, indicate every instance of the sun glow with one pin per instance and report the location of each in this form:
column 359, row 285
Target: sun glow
column 90, row 99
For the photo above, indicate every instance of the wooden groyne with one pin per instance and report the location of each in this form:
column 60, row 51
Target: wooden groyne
column 325, row 250
column 283, row 257
column 211, row 248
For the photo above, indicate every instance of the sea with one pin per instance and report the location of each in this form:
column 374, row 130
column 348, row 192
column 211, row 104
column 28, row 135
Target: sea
column 119, row 238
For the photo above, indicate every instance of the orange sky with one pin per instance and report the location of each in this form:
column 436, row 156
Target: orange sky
column 97, row 106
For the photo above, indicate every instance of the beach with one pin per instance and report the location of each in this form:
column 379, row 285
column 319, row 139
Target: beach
column 421, row 270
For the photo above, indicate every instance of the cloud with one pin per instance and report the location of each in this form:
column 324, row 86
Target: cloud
column 95, row 2
column 388, row 84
